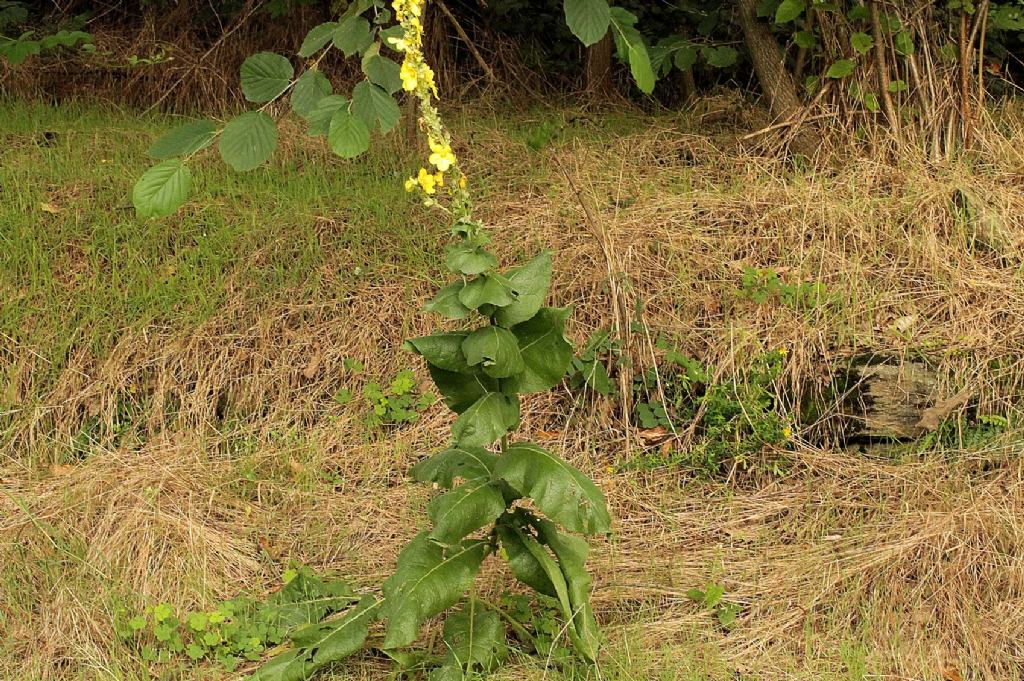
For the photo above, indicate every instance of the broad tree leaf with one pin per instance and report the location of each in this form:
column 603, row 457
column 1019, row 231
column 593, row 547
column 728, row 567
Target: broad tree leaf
column 465, row 509
column 486, row 420
column 428, row 580
column 545, row 352
column 465, row 258
column 587, row 19
column 631, row 48
column 374, row 106
column 320, row 117
column 487, row 289
column 162, row 189
column 184, row 140
column 530, row 282
column 789, row 10
column 265, row 75
column 475, row 638
column 720, row 57
column 447, row 304
column 903, row 43
column 348, row 135
column 310, row 88
column 841, row 68
column 443, row 350
column 353, row 35
column 495, row 350
column 862, row 42
column 248, row 140
column 561, row 492
column 317, row 38
column 382, row 71
column 461, row 391
column 468, row 463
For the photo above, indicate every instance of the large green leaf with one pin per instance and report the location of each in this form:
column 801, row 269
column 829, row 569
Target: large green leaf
column 317, row 38
column 486, row 420
column 631, row 48
column 162, row 189
column 466, row 258
column 558, row 490
column 587, row 19
column 461, row 391
column 374, row 106
column 571, row 553
column 475, row 638
column 348, row 135
column 428, row 580
column 545, row 352
column 321, row 644
column 443, row 350
column 495, row 350
column 265, row 75
column 468, row 463
column 353, row 35
column 487, row 289
column 447, row 304
column 530, row 563
column 320, row 117
column 465, row 509
column 184, row 140
column 382, row 71
column 310, row 88
column 248, row 140
column 530, row 283
column 789, row 10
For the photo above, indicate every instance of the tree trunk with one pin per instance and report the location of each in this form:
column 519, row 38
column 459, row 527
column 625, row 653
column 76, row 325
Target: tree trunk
column 770, row 66
column 599, row 66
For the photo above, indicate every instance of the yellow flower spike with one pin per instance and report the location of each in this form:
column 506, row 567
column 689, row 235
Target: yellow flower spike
column 462, row 182
column 427, row 181
column 410, row 184
column 439, row 178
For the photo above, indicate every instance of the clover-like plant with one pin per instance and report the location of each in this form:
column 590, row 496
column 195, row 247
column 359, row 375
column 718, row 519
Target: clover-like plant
column 498, row 496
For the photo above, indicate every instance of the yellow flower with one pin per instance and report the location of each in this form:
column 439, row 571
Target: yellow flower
column 439, row 178
column 443, row 157
column 462, row 182
column 787, row 432
column 409, row 76
column 783, row 351
column 410, row 184
column 427, row 181
column 399, row 44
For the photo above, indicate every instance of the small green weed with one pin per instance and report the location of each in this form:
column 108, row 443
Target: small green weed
column 761, row 285
column 712, row 597
column 398, row 403
column 962, row 433
column 235, row 630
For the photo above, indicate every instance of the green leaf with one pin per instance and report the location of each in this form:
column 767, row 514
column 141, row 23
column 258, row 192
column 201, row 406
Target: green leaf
column 348, row 135
column 495, row 349
column 465, row 509
column 871, row 102
column 841, row 68
column 428, row 580
column 531, row 564
column 320, row 117
column 310, row 88
column 859, row 13
column 265, row 75
column 561, row 492
column 530, row 283
column 382, row 71
column 862, row 42
column 587, row 19
column 898, row 86
column 486, row 420
column 162, row 189
column 443, row 350
column 447, row 304
column 475, row 638
column 631, row 48
column 720, row 57
column 487, row 289
column 375, row 106
column 353, row 35
column 317, row 38
column 805, row 39
column 903, row 43
column 468, row 463
column 184, row 140
column 571, row 553
column 465, row 258
column 685, row 57
column 545, row 352
column 789, row 10
column 248, row 140
column 461, row 391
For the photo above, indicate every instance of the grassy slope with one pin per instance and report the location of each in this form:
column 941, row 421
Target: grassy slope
column 168, row 393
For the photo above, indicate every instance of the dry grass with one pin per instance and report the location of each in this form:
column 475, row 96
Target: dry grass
column 242, row 460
